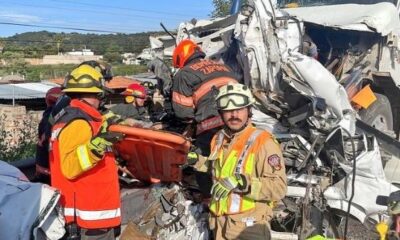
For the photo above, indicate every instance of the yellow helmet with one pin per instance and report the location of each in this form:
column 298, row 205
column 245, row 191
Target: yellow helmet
column 234, row 96
column 84, row 79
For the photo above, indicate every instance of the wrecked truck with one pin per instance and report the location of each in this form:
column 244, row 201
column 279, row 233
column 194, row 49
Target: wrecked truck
column 326, row 77
column 306, row 74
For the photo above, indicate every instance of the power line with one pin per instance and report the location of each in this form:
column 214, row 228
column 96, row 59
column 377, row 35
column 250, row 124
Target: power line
column 104, row 13
column 123, row 8
column 66, row 42
column 58, row 27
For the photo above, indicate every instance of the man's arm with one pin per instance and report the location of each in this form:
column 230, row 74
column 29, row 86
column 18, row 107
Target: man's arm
column 72, row 137
column 182, row 101
column 269, row 181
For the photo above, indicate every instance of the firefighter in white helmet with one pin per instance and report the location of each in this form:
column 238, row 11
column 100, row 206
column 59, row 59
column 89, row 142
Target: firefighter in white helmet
column 248, row 170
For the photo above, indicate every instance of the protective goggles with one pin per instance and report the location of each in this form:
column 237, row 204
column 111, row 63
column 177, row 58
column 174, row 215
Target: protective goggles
column 148, row 85
column 233, row 101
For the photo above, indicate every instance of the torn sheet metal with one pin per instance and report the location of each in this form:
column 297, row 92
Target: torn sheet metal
column 322, row 82
column 370, row 182
column 382, row 18
column 267, row 122
column 163, row 212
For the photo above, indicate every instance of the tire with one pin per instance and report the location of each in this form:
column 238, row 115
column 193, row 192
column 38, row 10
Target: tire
column 379, row 114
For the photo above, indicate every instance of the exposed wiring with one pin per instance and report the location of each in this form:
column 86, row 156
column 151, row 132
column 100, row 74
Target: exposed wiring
column 353, row 180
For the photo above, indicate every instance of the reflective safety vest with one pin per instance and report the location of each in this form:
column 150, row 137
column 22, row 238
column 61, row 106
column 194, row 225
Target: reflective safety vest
column 239, row 160
column 92, row 199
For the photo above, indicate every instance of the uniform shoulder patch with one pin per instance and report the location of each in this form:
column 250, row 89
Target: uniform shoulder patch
column 275, row 162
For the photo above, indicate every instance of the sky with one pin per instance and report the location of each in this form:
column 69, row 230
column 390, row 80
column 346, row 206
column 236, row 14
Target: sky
column 101, row 16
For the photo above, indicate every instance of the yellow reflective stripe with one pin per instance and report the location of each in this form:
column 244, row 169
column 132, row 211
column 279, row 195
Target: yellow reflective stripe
column 229, row 165
column 84, row 158
column 255, row 188
column 217, row 164
column 247, row 204
column 249, row 165
column 93, row 215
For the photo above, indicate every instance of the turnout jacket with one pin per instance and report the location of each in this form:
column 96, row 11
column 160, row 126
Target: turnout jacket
column 193, row 97
column 88, row 184
column 255, row 154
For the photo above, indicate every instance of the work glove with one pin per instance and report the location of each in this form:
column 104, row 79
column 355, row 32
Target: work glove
column 224, row 186
column 192, row 158
column 109, row 119
column 100, row 143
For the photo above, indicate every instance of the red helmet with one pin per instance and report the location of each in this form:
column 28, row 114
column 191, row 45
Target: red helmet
column 134, row 90
column 52, row 95
column 185, row 49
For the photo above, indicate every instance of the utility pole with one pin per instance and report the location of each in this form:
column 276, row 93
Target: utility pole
column 13, row 100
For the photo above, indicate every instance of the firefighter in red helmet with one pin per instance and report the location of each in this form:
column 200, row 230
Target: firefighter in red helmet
column 133, row 110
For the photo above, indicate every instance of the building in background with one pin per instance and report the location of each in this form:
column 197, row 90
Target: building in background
column 73, row 57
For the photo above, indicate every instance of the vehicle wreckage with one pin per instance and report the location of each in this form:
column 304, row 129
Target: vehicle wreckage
column 321, row 71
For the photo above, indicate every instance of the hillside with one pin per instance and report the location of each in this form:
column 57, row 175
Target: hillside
column 37, row 44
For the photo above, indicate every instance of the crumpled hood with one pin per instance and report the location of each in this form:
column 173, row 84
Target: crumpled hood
column 382, row 18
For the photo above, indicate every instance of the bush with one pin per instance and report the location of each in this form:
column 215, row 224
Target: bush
column 18, row 142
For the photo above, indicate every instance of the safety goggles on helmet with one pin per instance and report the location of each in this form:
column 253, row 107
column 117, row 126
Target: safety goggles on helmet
column 233, row 101
column 148, row 85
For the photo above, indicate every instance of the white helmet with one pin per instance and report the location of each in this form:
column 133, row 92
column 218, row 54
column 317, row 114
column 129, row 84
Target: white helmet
column 234, row 96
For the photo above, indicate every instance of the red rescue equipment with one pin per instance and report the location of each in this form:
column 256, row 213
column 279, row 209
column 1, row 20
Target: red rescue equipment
column 152, row 155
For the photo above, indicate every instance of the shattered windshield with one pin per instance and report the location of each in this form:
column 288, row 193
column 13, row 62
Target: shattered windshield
column 309, row 3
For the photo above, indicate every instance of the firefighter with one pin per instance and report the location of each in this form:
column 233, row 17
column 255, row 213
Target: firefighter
column 163, row 75
column 248, row 170
column 82, row 165
column 194, row 88
column 135, row 97
column 42, row 147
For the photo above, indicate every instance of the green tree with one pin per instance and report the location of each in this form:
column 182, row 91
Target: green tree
column 221, row 8
column 18, row 142
column 113, row 54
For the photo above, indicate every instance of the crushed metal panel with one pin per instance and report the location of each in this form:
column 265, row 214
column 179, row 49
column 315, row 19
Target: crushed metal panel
column 322, row 82
column 382, row 18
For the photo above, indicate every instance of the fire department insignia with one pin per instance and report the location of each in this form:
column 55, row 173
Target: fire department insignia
column 275, row 162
